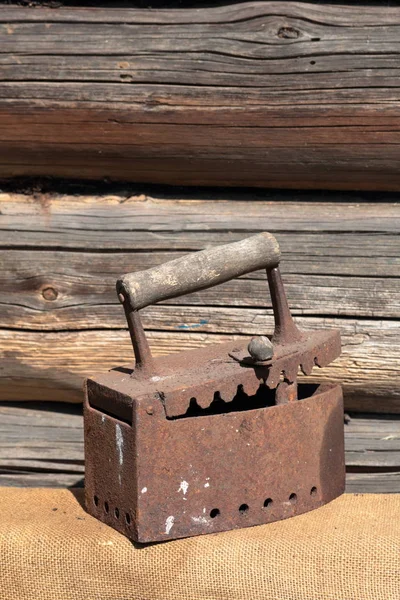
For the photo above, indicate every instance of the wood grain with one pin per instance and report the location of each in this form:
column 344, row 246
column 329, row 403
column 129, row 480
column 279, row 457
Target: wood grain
column 84, row 295
column 61, row 255
column 44, row 447
column 49, row 365
column 278, row 94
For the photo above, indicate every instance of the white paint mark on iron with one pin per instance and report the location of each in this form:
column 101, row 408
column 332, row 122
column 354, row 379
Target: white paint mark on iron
column 169, row 524
column 201, row 520
column 204, row 511
column 103, row 418
column 207, row 484
column 144, row 490
column 183, row 487
column 120, row 443
column 156, row 378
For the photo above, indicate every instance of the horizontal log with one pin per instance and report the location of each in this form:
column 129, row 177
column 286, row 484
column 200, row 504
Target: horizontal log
column 70, row 290
column 194, row 214
column 179, row 220
column 42, row 366
column 370, row 483
column 234, row 95
column 61, row 255
column 45, row 447
column 76, row 248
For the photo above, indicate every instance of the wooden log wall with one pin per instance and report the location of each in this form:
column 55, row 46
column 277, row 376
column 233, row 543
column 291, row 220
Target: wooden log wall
column 42, row 446
column 270, row 94
column 61, row 255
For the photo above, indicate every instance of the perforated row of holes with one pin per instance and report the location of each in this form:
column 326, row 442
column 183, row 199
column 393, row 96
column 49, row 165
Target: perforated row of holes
column 268, row 502
column 107, row 510
column 243, row 508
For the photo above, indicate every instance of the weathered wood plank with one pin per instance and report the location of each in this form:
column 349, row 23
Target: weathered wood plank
column 45, row 365
column 304, row 242
column 373, row 443
column 162, row 210
column 319, row 252
column 41, row 445
column 316, row 237
column 30, row 454
column 61, row 256
column 231, row 95
column 21, row 478
column 83, row 293
column 324, row 13
column 327, row 263
column 373, row 483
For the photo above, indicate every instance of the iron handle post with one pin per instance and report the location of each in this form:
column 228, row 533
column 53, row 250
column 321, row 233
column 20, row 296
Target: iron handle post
column 199, row 271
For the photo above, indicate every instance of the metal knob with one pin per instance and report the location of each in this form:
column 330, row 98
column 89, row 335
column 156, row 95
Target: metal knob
column 260, row 348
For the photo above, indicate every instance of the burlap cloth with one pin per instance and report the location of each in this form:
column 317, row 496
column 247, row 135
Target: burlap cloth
column 51, row 549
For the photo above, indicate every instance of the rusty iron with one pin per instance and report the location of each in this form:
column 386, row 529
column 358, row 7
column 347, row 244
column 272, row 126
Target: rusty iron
column 214, row 439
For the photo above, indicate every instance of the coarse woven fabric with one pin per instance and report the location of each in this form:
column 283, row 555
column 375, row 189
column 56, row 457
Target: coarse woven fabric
column 50, row 549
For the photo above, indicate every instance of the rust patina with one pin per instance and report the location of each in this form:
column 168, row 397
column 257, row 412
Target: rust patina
column 216, row 438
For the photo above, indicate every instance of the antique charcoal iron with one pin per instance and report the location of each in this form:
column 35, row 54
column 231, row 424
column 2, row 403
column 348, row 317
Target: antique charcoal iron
column 216, row 438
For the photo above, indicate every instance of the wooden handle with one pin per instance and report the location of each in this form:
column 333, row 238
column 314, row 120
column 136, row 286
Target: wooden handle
column 199, row 270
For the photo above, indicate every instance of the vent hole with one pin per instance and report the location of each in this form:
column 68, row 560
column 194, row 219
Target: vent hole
column 128, row 518
column 240, row 402
column 243, row 508
column 313, row 491
column 268, row 502
column 312, row 62
column 214, row 513
column 315, row 39
column 106, row 507
column 96, row 500
column 116, row 513
column 293, row 498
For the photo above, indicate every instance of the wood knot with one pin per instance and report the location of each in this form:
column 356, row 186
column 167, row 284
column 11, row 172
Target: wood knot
column 126, row 77
column 49, row 294
column 288, row 33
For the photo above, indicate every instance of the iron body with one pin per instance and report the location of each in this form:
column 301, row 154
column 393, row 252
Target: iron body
column 214, row 439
